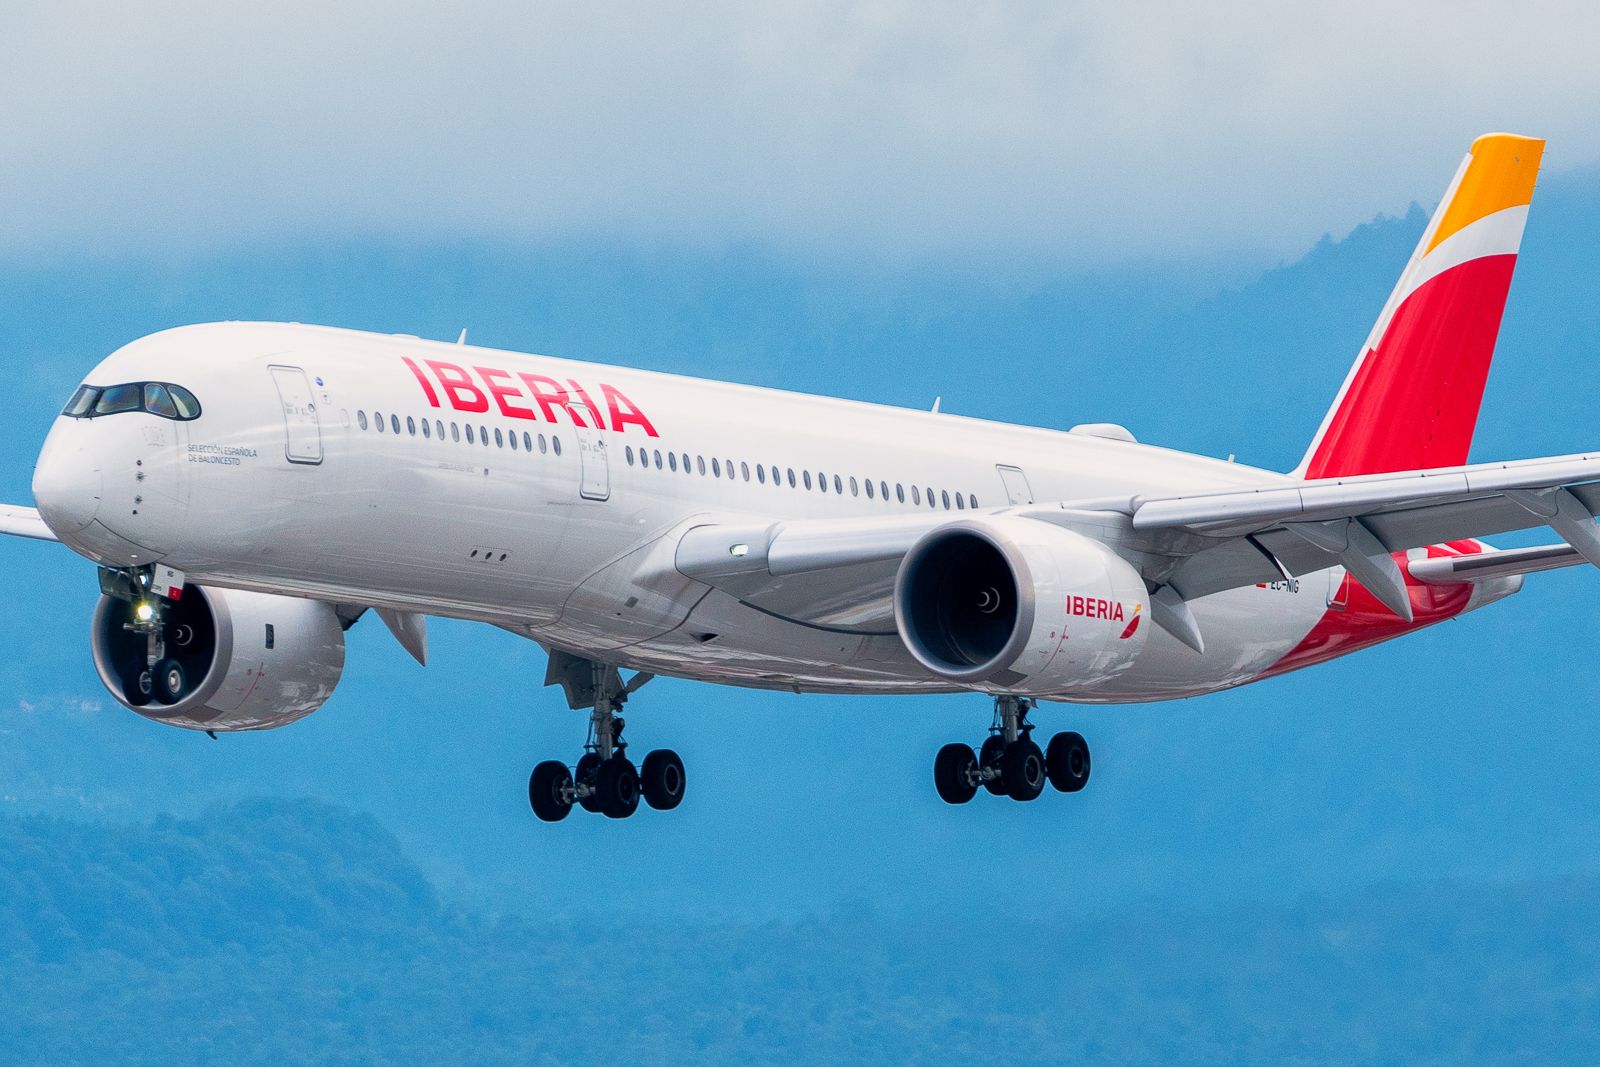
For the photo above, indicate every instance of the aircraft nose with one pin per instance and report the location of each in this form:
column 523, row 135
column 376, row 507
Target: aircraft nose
column 66, row 482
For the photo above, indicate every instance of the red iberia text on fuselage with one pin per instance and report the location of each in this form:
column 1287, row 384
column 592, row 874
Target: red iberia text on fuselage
column 524, row 395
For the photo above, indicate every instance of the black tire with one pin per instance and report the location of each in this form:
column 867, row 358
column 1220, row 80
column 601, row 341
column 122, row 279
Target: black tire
column 1067, row 761
column 1022, row 770
column 170, row 681
column 617, row 788
column 586, row 774
column 953, row 772
column 662, row 780
column 139, row 686
column 994, row 746
column 547, row 791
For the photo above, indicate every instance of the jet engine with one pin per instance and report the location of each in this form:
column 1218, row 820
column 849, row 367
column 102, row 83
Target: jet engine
column 249, row 661
column 1015, row 605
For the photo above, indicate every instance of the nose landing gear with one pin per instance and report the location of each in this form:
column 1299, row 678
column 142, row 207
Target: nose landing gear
column 605, row 779
column 1009, row 763
column 160, row 677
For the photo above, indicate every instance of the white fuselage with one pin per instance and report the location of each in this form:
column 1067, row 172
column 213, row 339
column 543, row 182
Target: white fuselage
column 274, row 491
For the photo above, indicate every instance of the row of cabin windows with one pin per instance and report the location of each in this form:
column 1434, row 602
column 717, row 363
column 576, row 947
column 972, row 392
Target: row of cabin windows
column 436, row 429
column 764, row 475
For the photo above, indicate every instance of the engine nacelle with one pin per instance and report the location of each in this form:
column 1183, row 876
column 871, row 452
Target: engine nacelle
column 1015, row 605
column 252, row 661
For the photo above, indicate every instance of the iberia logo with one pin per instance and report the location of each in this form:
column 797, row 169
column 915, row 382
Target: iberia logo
column 1093, row 607
column 1133, row 623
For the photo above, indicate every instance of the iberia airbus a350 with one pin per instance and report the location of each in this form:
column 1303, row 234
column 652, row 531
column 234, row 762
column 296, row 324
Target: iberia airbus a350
column 249, row 490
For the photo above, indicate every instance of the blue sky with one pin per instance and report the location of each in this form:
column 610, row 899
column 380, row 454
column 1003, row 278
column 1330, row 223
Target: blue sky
column 1045, row 214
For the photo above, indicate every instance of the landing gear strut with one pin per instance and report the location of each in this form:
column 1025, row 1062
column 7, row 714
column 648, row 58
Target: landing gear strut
column 604, row 780
column 160, row 677
column 1009, row 763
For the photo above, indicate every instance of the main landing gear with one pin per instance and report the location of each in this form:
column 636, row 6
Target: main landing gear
column 604, row 780
column 1009, row 763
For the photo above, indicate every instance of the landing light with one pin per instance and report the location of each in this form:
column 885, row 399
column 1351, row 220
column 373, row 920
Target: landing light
column 144, row 611
column 738, row 550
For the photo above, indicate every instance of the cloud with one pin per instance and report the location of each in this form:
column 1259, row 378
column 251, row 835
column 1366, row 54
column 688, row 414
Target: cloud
column 896, row 130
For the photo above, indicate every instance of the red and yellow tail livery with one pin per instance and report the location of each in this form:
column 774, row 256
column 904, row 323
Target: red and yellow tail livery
column 1411, row 400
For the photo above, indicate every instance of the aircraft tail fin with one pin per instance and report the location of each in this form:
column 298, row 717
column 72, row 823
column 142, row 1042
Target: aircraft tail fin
column 1411, row 400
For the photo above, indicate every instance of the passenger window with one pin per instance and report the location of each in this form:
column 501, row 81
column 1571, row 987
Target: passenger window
column 869, row 489
column 455, row 433
column 945, row 493
column 555, row 443
column 716, row 467
column 483, row 436
column 527, row 442
column 838, row 486
column 961, row 505
column 806, row 478
column 628, row 451
column 700, row 465
column 411, row 426
column 427, row 430
column 883, row 491
column 542, row 444
column 791, row 478
column 744, row 469
column 470, row 439
column 916, row 495
column 900, row 492
column 686, row 468
column 761, row 474
column 438, row 428
column 361, row 419
column 672, row 461
column 158, row 402
column 377, row 417
column 822, row 481
column 855, row 490
column 511, row 439
column 499, row 442
column 972, row 501
column 394, row 423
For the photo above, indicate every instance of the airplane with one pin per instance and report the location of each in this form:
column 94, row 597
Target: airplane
column 248, row 491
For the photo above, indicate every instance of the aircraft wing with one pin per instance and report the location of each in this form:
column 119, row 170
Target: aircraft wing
column 839, row 573
column 1217, row 541
column 19, row 521
column 836, row 574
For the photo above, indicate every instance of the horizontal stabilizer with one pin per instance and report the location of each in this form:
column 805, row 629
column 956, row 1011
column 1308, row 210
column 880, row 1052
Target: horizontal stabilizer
column 1495, row 563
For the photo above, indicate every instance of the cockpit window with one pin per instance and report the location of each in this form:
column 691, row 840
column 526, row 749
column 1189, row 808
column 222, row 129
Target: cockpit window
column 188, row 406
column 157, row 401
column 119, row 398
column 158, row 398
column 82, row 401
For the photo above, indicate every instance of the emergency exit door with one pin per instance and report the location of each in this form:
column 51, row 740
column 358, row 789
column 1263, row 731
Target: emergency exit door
column 1018, row 491
column 595, row 466
column 302, row 431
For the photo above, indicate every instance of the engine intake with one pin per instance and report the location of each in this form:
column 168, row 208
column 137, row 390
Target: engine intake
column 252, row 661
column 1020, row 606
